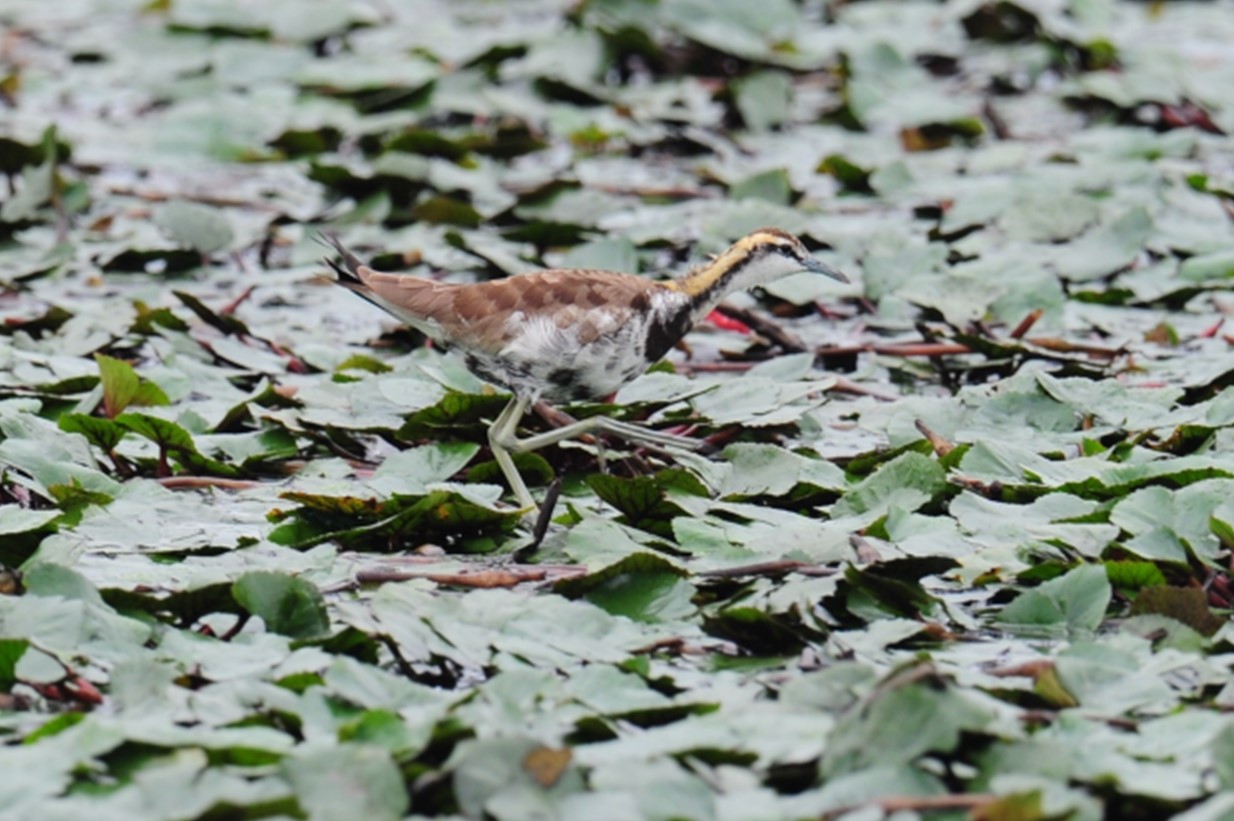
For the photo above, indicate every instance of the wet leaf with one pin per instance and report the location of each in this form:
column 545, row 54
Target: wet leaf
column 1076, row 601
column 907, row 482
column 1127, row 575
column 643, row 500
column 763, row 98
column 11, row 651
column 640, row 586
column 104, row 434
column 175, row 442
column 200, row 227
column 772, row 186
column 226, row 324
column 289, row 606
column 874, row 732
column 347, row 779
column 122, row 387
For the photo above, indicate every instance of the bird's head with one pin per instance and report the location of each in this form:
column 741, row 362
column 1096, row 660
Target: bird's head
column 778, row 253
column 756, row 259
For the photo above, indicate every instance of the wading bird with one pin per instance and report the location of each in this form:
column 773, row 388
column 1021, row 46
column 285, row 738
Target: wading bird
column 571, row 334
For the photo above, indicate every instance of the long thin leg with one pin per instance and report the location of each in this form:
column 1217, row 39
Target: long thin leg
column 500, row 434
column 632, row 433
column 503, row 440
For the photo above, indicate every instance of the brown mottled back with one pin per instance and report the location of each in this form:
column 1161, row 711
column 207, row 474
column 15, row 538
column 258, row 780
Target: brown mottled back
column 564, row 335
column 479, row 316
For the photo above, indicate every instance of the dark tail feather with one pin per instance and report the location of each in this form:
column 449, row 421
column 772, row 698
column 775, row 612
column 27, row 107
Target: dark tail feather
column 347, row 272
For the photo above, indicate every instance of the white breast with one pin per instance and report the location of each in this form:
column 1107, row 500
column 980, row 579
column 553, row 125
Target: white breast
column 538, row 338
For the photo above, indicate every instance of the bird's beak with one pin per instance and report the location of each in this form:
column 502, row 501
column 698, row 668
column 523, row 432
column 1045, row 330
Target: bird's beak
column 818, row 267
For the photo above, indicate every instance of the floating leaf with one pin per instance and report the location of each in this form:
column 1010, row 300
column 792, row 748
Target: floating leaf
column 1076, row 601
column 175, row 442
column 763, row 98
column 894, row 586
column 204, row 229
column 226, row 323
column 907, row 482
column 122, row 387
column 1131, row 575
column 104, row 434
column 11, row 651
column 337, row 781
column 1184, row 604
column 643, row 499
column 288, row 605
column 934, row 712
column 772, row 186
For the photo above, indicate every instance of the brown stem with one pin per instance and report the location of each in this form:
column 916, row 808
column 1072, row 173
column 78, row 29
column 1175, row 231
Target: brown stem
column 774, row 568
column 510, row 576
column 672, row 193
column 195, row 482
column 230, row 307
column 207, row 199
column 941, row 446
column 1051, row 343
column 848, row 386
column 1026, row 324
column 713, row 367
column 764, row 326
column 236, row 628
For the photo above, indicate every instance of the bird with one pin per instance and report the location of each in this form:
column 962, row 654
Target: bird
column 565, row 335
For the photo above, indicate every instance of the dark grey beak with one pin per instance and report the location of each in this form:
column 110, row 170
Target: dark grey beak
column 815, row 266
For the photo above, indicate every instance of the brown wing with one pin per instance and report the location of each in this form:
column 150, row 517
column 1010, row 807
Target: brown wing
column 418, row 301
column 478, row 316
